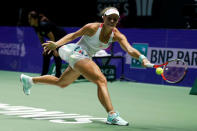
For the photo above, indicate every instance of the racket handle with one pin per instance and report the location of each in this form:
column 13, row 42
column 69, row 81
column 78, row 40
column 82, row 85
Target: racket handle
column 149, row 65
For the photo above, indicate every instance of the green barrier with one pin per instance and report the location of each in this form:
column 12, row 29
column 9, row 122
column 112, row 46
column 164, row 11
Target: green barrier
column 143, row 49
column 193, row 91
column 109, row 71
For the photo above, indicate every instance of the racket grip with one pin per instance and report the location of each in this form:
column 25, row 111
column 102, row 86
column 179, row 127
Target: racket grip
column 149, row 65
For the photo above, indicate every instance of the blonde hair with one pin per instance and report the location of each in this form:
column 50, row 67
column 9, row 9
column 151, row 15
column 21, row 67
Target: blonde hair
column 107, row 8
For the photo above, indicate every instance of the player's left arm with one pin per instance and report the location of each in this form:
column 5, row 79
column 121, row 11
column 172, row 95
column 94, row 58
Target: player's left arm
column 125, row 45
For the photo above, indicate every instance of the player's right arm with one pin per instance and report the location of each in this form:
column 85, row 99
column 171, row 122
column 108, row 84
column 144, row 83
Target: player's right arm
column 85, row 30
column 121, row 38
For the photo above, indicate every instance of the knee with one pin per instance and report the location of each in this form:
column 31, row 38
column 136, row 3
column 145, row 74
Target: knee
column 63, row 86
column 101, row 81
column 60, row 84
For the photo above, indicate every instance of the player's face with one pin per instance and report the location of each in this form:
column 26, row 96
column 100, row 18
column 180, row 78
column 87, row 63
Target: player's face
column 111, row 20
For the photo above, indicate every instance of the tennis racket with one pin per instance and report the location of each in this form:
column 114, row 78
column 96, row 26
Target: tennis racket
column 173, row 71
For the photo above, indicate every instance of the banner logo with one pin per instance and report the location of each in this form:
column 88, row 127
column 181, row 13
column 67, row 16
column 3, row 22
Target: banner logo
column 12, row 49
column 144, row 7
column 158, row 55
column 143, row 49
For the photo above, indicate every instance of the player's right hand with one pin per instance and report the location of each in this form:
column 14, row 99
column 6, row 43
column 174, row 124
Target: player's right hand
column 145, row 62
column 49, row 46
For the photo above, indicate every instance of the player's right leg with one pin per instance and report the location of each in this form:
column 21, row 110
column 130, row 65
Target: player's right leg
column 67, row 77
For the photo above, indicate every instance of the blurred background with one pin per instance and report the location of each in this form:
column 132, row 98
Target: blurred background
column 134, row 13
column 160, row 29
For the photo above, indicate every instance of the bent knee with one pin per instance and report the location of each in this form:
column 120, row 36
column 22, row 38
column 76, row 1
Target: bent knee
column 101, row 81
column 61, row 85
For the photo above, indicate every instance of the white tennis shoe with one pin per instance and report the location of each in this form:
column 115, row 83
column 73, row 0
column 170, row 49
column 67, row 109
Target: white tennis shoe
column 115, row 119
column 26, row 81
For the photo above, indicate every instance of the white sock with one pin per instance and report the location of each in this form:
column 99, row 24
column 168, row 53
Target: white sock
column 31, row 81
column 111, row 112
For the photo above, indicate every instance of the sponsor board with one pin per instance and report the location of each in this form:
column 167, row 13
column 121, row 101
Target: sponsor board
column 12, row 49
column 159, row 55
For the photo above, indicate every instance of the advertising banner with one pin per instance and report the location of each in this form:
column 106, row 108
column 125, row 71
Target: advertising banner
column 20, row 50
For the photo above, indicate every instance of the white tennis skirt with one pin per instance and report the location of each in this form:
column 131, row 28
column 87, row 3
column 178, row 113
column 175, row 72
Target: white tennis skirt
column 72, row 53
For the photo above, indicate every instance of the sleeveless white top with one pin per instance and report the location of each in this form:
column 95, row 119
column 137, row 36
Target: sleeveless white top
column 92, row 44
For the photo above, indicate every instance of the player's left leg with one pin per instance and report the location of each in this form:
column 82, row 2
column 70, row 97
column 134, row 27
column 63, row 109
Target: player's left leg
column 67, row 77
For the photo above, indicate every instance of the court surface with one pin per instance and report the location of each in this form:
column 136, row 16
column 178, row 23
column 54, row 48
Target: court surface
column 147, row 107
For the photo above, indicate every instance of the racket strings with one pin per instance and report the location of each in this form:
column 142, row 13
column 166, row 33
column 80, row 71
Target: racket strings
column 174, row 71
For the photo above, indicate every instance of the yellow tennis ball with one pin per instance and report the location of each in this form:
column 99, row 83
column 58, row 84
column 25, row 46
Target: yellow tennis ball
column 159, row 71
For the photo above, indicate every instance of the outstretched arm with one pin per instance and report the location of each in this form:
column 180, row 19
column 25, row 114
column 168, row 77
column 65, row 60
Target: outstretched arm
column 129, row 49
column 51, row 45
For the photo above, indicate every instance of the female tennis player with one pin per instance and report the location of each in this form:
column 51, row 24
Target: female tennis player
column 94, row 37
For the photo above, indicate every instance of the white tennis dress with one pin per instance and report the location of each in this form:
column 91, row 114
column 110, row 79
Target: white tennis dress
column 86, row 47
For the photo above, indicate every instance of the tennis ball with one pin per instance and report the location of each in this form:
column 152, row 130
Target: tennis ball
column 159, row 71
